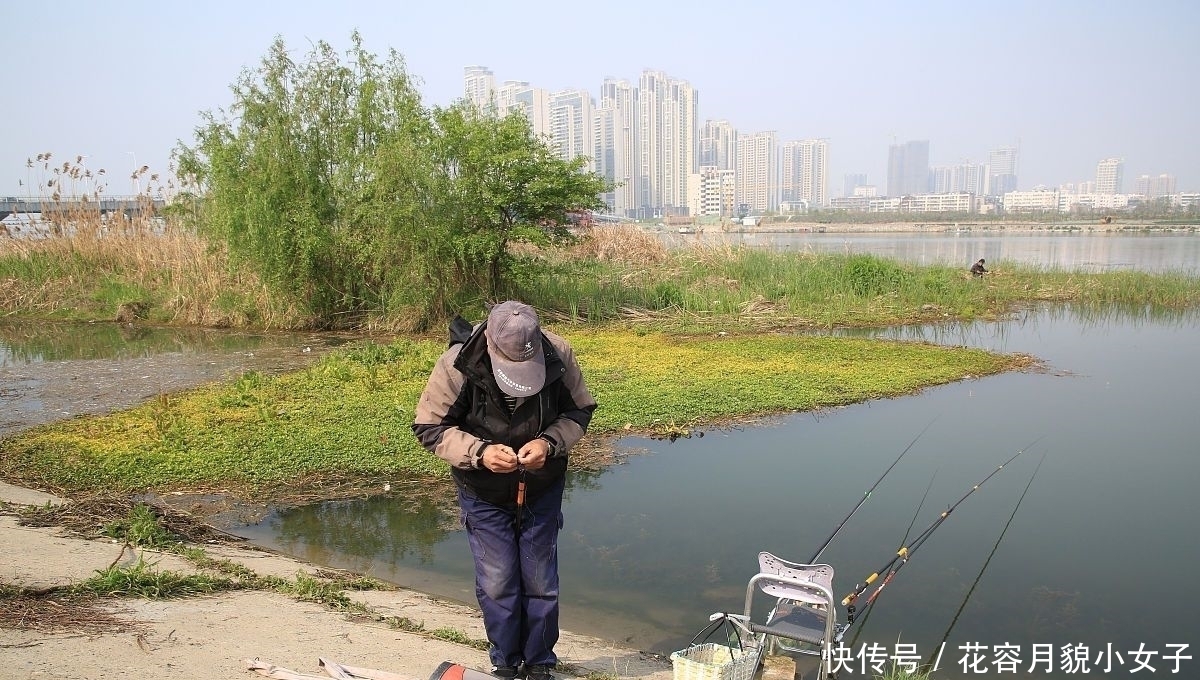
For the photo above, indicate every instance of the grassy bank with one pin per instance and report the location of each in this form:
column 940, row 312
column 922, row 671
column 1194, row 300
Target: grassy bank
column 611, row 273
column 347, row 417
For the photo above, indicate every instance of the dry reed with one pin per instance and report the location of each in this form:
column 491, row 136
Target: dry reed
column 193, row 272
column 146, row 252
column 56, row 612
column 72, row 246
column 622, row 243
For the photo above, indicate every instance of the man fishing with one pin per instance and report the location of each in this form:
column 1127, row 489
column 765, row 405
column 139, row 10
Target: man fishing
column 503, row 406
column 978, row 270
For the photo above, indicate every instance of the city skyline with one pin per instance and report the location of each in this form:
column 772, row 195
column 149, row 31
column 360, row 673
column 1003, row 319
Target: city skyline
column 648, row 142
column 1066, row 83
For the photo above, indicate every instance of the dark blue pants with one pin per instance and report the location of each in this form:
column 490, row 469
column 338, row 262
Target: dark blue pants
column 516, row 575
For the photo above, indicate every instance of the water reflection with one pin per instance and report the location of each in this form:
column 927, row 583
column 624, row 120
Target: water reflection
column 375, row 530
column 993, row 334
column 23, row 342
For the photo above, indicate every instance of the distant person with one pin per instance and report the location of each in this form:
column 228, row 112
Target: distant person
column 977, row 269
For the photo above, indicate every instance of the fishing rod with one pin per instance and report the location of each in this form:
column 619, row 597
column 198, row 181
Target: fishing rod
column 817, row 555
column 920, row 507
column 905, row 552
column 863, row 615
column 979, row 576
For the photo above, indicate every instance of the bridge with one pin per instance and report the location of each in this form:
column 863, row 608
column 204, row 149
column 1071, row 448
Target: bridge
column 129, row 205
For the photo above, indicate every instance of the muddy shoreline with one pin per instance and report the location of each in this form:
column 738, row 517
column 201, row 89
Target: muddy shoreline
column 36, row 392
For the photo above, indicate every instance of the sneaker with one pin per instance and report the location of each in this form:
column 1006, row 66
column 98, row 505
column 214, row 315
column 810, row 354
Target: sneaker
column 539, row 672
column 504, row 672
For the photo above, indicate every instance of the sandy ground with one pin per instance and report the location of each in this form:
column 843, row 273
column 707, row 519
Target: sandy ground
column 214, row 637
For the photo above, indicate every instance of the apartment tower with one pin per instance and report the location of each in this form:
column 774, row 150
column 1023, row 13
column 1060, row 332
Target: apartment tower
column 667, row 117
column 803, row 170
column 572, row 119
column 1108, row 175
column 479, row 86
column 908, row 169
column 758, row 172
column 532, row 102
column 1002, row 171
column 718, row 145
column 617, row 144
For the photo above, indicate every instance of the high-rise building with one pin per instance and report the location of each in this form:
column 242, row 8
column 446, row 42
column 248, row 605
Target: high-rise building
column 941, row 179
column 1154, row 186
column 604, row 135
column 1108, row 175
column 758, row 172
column 571, row 125
column 617, row 147
column 1002, row 171
column 480, row 86
column 642, row 139
column 532, row 102
column 667, row 139
column 789, row 172
column 966, row 177
column 718, row 145
column 803, row 170
column 1163, row 185
column 908, row 168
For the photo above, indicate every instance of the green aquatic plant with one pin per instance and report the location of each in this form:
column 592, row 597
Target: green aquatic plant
column 348, row 416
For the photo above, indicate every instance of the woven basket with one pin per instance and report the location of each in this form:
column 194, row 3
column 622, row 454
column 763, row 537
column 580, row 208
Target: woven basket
column 711, row 661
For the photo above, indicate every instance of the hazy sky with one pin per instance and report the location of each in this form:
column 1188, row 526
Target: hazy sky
column 1069, row 82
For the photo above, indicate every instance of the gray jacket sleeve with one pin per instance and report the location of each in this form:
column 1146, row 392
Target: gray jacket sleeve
column 435, row 421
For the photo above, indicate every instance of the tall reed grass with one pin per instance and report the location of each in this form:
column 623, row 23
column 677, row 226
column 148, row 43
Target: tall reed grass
column 75, row 261
column 156, row 270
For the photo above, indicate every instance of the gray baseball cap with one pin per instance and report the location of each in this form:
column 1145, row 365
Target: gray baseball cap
column 514, row 342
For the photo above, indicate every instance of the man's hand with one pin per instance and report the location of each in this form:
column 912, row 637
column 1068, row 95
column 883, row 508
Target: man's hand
column 533, row 454
column 500, row 458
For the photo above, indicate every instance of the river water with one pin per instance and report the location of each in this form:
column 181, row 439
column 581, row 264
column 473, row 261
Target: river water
column 1091, row 251
column 1097, row 555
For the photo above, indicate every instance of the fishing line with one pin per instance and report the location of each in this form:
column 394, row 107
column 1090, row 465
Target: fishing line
column 904, row 553
column 919, row 508
column 817, row 555
column 988, row 561
column 866, row 612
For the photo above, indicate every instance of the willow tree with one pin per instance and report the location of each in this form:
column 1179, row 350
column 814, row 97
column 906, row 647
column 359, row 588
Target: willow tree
column 351, row 198
column 505, row 184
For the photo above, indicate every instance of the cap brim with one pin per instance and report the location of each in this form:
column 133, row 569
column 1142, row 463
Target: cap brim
column 519, row 378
